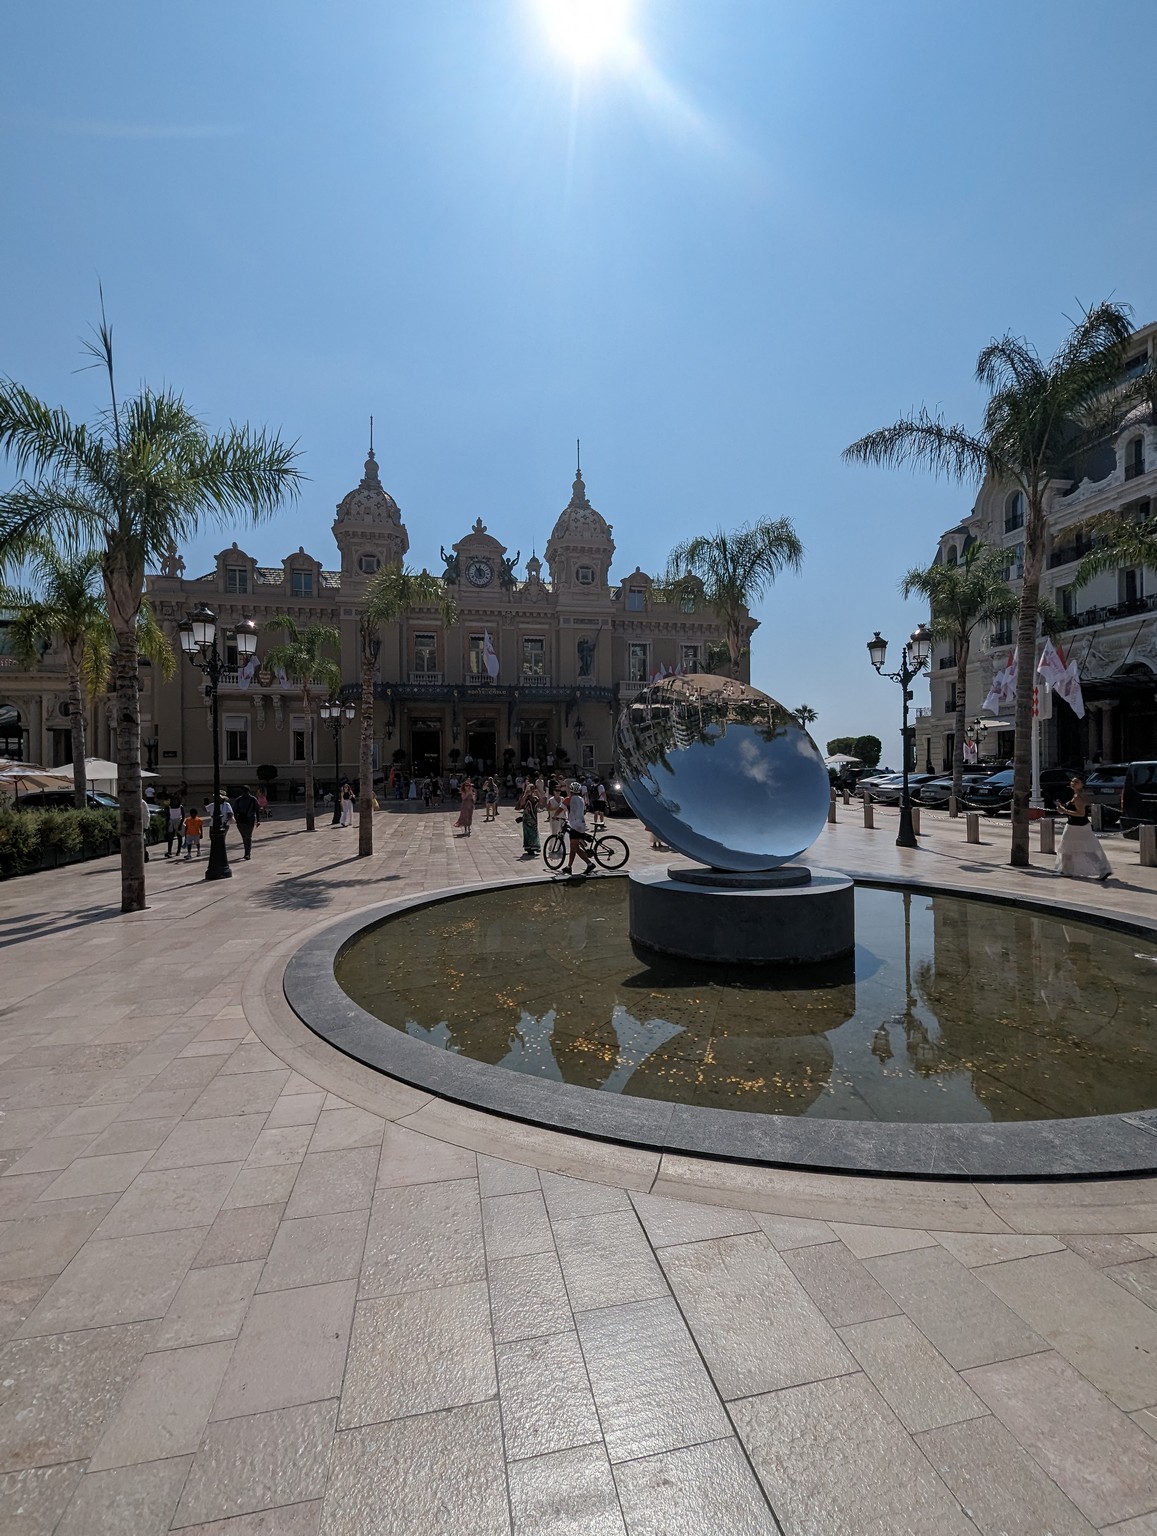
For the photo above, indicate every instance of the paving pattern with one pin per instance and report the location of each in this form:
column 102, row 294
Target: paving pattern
column 247, row 1288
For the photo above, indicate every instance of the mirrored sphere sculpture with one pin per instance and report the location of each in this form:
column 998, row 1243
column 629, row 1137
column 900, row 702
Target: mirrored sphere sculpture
column 721, row 772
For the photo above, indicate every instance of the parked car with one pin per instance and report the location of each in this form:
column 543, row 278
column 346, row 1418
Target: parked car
column 62, row 800
column 891, row 790
column 1104, row 786
column 935, row 794
column 871, row 780
column 993, row 795
column 1138, row 797
column 616, row 801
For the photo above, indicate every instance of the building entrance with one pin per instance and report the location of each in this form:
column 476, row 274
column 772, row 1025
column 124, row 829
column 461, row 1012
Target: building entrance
column 482, row 744
column 426, row 746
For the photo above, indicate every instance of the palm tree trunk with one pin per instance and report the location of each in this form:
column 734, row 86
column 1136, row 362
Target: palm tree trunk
column 76, row 727
column 366, row 750
column 309, row 807
column 1034, row 547
column 962, row 647
column 735, row 646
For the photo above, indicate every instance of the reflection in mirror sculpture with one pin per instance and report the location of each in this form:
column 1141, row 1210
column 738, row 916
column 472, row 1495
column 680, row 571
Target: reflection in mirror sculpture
column 721, row 772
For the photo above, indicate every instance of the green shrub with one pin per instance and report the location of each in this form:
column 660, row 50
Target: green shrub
column 19, row 841
column 29, row 839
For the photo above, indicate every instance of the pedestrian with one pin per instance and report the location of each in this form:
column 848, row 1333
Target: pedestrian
column 576, row 825
column 466, row 813
column 490, row 798
column 262, row 803
column 600, row 805
column 246, row 813
column 174, row 825
column 555, row 809
column 1081, row 856
column 193, row 829
column 528, row 803
column 412, row 794
column 347, row 806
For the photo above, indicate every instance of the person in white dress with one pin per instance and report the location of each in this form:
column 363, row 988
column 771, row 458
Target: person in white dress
column 1081, row 856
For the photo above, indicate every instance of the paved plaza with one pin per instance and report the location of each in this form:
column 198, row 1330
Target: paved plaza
column 250, row 1288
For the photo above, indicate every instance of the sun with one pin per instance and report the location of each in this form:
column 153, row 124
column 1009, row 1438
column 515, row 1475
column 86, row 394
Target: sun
column 585, row 31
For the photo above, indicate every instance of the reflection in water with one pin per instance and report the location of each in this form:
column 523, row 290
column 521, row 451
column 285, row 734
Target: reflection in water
column 956, row 1010
column 722, row 772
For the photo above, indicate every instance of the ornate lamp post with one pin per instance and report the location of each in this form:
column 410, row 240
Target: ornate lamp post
column 914, row 659
column 199, row 634
column 335, row 714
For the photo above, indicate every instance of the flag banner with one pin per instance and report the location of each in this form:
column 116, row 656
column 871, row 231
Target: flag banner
column 1002, row 693
column 489, row 656
column 1051, row 666
column 1070, row 690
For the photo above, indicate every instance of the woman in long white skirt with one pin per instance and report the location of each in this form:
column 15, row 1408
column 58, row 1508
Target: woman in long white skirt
column 1081, row 856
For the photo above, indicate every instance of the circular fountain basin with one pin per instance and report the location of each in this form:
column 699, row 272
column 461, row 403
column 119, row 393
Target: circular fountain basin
column 964, row 1038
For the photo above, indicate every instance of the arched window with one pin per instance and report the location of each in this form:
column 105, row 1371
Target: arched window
column 951, row 557
column 1135, row 458
column 1014, row 511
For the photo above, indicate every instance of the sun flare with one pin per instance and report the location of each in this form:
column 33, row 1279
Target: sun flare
column 586, row 31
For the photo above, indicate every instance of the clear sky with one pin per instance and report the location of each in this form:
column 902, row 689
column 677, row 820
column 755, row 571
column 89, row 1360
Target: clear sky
column 734, row 239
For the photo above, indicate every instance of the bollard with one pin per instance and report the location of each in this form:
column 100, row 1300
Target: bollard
column 953, row 806
column 916, row 820
column 1048, row 834
column 832, row 809
column 847, row 797
column 1147, row 836
column 869, row 812
column 1097, row 817
column 972, row 826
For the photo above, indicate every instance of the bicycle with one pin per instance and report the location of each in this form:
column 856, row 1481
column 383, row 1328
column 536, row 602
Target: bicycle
column 608, row 850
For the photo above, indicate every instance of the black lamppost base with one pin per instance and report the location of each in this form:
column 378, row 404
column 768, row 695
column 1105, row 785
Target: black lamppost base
column 218, row 866
column 906, row 836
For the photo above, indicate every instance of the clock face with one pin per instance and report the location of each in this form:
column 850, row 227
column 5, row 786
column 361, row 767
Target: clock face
column 479, row 573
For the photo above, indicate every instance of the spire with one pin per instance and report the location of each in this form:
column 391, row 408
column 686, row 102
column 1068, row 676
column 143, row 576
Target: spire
column 371, row 437
column 578, row 457
column 578, row 491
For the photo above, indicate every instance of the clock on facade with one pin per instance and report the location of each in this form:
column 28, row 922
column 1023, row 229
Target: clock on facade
column 479, row 573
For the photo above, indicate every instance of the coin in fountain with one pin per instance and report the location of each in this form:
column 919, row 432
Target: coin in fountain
column 721, row 772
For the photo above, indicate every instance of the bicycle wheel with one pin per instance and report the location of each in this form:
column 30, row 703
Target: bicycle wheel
column 611, row 852
column 554, row 851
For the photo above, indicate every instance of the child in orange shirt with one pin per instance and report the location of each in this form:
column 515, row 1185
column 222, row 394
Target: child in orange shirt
column 193, row 827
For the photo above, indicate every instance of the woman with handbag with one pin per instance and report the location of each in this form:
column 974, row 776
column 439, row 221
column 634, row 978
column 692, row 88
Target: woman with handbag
column 528, row 804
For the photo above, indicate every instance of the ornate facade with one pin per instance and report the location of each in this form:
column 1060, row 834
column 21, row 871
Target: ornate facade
column 538, row 658
column 1111, row 624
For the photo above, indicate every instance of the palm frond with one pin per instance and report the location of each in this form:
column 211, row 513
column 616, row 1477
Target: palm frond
column 926, row 440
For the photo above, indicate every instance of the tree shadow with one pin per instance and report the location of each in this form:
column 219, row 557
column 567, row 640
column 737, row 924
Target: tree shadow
column 40, row 925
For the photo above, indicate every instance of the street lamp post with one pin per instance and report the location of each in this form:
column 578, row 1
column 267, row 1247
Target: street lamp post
column 198, row 635
column 914, row 658
column 335, row 714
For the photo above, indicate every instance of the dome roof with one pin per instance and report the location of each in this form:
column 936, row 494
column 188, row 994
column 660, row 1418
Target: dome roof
column 370, row 502
column 578, row 522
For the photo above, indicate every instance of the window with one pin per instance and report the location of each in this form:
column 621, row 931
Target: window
column 687, row 603
column 236, row 738
column 61, row 747
column 533, row 656
column 301, row 583
column 584, row 575
column 1014, row 562
column 425, row 653
column 637, row 661
column 297, row 739
column 1135, row 458
column 236, row 578
column 950, row 700
column 368, row 564
column 636, row 599
column 1065, row 601
column 1129, row 588
column 951, row 558
column 476, row 655
column 1136, row 365
column 1014, row 512
column 588, row 757
column 231, row 657
column 689, row 658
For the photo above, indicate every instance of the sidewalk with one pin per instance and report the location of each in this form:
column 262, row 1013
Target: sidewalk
column 249, row 1288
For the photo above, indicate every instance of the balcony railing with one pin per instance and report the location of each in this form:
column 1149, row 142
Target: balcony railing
column 426, row 678
column 1067, row 553
column 922, row 712
column 1134, row 468
column 1011, row 524
column 1000, row 637
column 631, row 690
column 1104, row 615
column 535, row 680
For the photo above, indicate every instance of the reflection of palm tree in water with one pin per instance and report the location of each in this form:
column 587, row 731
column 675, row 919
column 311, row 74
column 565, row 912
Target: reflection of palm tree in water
column 532, row 1050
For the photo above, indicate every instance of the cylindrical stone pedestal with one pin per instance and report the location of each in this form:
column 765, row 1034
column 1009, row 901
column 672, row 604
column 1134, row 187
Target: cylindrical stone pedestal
column 741, row 924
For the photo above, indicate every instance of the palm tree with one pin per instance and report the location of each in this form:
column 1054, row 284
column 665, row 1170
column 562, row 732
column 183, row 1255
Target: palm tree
column 148, row 477
column 733, row 570
column 975, row 591
column 1121, row 541
column 1041, row 418
column 392, row 594
column 303, row 660
column 65, row 606
column 806, row 716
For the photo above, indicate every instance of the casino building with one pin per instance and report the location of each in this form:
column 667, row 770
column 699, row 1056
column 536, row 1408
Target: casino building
column 540, row 658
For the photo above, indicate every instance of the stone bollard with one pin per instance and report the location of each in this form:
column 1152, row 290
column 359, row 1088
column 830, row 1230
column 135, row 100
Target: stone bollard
column 847, row 797
column 1048, row 834
column 972, row 826
column 1147, row 835
column 832, row 809
column 916, row 820
column 869, row 812
column 953, row 806
column 1097, row 817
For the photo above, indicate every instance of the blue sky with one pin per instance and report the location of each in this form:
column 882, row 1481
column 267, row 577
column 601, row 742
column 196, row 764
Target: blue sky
column 717, row 254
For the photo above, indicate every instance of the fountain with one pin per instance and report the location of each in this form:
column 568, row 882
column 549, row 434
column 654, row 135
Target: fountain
column 725, row 775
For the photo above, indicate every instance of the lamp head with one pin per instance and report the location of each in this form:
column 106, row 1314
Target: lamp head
column 185, row 635
column 246, row 633
column 348, row 710
column 326, row 710
column 920, row 645
column 877, row 650
column 204, row 622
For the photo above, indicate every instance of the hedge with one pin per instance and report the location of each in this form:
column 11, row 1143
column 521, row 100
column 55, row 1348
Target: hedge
column 32, row 840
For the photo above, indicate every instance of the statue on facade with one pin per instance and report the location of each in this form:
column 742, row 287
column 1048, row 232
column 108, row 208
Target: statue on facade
column 508, row 578
column 451, row 571
column 586, row 656
column 173, row 564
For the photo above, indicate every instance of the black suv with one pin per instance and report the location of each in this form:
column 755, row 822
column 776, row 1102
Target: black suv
column 1138, row 796
column 1103, row 787
column 62, row 800
column 993, row 796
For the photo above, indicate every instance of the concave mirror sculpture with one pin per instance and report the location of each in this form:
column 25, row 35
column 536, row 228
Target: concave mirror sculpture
column 721, row 772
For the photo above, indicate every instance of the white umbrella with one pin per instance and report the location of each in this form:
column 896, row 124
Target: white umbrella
column 99, row 770
column 839, row 759
column 25, row 776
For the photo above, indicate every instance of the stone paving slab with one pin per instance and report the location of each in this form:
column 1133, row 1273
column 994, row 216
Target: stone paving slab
column 248, row 1288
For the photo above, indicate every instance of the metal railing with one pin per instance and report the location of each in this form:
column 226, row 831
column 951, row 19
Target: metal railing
column 427, row 678
column 1132, row 470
